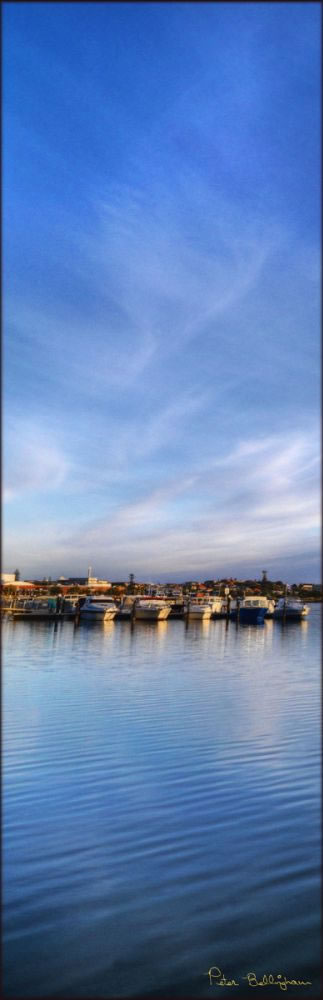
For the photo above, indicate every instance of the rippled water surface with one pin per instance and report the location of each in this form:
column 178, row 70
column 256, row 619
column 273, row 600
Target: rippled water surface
column 161, row 807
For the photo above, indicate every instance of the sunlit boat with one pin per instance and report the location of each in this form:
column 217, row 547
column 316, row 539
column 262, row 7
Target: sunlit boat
column 98, row 607
column 199, row 610
column 288, row 609
column 148, row 609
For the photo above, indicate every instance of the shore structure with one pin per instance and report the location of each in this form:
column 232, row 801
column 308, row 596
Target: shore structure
column 253, row 610
column 91, row 598
column 44, row 609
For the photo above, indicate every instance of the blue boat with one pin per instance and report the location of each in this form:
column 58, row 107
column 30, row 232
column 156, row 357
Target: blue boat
column 290, row 610
column 252, row 611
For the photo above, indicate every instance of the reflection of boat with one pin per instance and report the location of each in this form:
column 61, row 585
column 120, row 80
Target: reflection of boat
column 199, row 609
column 99, row 607
column 250, row 611
column 290, row 610
column 151, row 610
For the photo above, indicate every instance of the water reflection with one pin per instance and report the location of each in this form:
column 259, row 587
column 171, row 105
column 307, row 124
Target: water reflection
column 198, row 627
column 108, row 627
column 148, row 633
column 160, row 798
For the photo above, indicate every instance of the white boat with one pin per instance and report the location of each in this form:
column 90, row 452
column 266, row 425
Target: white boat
column 98, row 607
column 288, row 609
column 151, row 610
column 200, row 610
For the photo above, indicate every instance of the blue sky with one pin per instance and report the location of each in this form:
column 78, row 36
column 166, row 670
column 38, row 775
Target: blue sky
column 161, row 214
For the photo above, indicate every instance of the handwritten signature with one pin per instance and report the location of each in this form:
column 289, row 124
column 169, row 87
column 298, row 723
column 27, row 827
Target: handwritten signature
column 216, row 978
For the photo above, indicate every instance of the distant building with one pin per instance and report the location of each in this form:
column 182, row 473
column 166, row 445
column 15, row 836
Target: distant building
column 8, row 580
column 84, row 581
column 94, row 583
column 8, row 577
column 13, row 580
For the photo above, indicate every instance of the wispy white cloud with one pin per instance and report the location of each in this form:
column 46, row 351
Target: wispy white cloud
column 33, row 461
column 240, row 512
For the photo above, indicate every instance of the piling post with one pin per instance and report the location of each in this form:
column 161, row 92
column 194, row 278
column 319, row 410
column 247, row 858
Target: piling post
column 77, row 614
column 284, row 606
column 238, row 610
column 133, row 613
column 228, row 607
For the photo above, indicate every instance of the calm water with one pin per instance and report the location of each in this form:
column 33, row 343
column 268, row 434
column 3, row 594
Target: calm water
column 161, row 798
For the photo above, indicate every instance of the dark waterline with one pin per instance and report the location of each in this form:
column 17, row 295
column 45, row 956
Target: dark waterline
column 161, row 807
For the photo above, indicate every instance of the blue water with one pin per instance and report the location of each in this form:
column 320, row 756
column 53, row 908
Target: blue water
column 161, row 807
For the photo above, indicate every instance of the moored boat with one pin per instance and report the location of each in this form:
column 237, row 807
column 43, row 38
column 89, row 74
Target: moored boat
column 98, row 607
column 148, row 609
column 290, row 610
column 250, row 611
column 199, row 610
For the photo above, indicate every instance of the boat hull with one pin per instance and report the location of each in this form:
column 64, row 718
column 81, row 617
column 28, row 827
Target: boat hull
column 248, row 616
column 152, row 614
column 200, row 614
column 105, row 615
column 290, row 616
